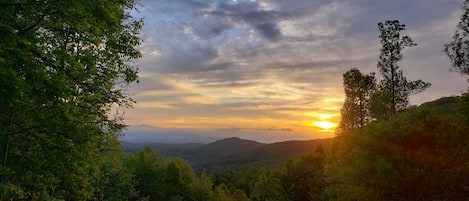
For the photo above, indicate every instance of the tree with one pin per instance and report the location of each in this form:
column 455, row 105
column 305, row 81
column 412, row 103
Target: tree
column 62, row 65
column 222, row 193
column 147, row 170
column 421, row 154
column 178, row 178
column 239, row 195
column 394, row 89
column 115, row 181
column 202, row 188
column 458, row 49
column 268, row 187
column 356, row 110
column 303, row 178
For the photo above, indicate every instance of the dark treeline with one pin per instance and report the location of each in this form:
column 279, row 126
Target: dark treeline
column 62, row 71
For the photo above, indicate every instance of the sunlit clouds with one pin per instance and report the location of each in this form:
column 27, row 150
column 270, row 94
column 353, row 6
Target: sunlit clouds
column 259, row 104
column 275, row 67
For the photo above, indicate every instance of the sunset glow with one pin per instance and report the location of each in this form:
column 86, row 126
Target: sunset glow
column 325, row 122
column 325, row 125
column 212, row 65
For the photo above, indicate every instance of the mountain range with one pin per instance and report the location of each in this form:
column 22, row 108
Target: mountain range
column 233, row 152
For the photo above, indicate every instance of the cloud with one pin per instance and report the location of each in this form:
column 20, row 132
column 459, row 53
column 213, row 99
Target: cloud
column 277, row 129
column 196, row 39
column 269, row 30
column 265, row 64
column 262, row 21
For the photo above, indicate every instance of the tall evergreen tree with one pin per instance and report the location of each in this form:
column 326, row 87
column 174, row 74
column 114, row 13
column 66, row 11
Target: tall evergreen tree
column 356, row 110
column 394, row 89
column 61, row 65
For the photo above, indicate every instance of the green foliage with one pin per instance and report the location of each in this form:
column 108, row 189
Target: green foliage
column 61, row 64
column 419, row 155
column 300, row 179
column 268, row 187
column 239, row 195
column 178, row 178
column 356, row 110
column 202, row 188
column 157, row 178
column 234, row 153
column 303, row 178
column 146, row 167
column 115, row 181
column 236, row 178
column 222, row 193
column 457, row 49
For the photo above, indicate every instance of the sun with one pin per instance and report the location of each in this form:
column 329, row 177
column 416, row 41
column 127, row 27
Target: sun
column 324, row 122
column 325, row 125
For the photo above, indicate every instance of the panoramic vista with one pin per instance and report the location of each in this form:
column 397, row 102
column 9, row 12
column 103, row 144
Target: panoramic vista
column 234, row 100
column 270, row 70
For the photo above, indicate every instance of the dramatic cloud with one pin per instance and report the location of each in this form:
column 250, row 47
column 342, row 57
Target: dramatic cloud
column 274, row 65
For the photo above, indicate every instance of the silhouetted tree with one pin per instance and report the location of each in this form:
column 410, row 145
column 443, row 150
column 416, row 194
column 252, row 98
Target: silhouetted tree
column 394, row 89
column 458, row 49
column 356, row 110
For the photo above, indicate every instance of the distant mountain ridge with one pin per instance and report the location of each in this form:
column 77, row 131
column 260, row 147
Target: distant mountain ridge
column 222, row 147
column 234, row 152
column 218, row 148
column 163, row 148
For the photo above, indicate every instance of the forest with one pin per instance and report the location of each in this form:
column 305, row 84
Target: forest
column 64, row 66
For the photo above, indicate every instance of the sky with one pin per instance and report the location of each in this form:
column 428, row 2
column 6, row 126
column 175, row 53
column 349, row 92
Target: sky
column 271, row 70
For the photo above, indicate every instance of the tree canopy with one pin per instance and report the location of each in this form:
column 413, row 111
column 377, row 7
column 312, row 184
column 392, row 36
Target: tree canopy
column 63, row 65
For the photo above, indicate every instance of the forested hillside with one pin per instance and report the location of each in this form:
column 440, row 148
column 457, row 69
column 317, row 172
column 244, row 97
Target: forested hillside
column 234, row 153
column 421, row 154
